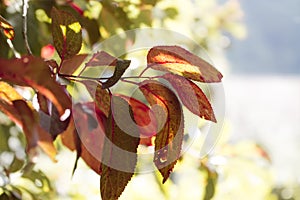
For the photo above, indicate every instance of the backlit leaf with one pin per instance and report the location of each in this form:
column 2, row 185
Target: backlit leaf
column 119, row 151
column 179, row 61
column 34, row 72
column 191, row 96
column 170, row 134
column 66, row 32
column 100, row 96
column 101, row 58
column 86, row 137
column 8, row 29
column 69, row 66
column 143, row 116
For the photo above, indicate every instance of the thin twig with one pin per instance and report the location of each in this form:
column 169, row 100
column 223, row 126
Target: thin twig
column 81, row 77
column 24, row 31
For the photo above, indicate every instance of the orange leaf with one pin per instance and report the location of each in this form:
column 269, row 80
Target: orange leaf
column 34, row 72
column 119, row 151
column 179, row 61
column 170, row 134
column 8, row 29
column 191, row 96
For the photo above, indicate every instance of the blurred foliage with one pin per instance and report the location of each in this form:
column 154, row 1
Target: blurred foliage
column 235, row 171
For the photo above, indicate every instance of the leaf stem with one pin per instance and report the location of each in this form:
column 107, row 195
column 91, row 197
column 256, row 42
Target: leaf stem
column 24, row 31
column 81, row 77
column 141, row 74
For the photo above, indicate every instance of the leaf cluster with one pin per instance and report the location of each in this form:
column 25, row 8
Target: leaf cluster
column 107, row 131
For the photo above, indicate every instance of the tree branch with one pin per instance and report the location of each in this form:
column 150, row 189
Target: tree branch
column 24, row 31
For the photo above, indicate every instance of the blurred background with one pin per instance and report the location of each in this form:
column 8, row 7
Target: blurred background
column 253, row 43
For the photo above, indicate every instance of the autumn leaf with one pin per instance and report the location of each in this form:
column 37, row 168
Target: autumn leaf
column 100, row 96
column 169, row 138
column 119, row 151
column 191, row 96
column 66, row 32
column 121, row 67
column 8, row 29
column 35, row 135
column 69, row 66
column 179, row 61
column 143, row 116
column 102, row 58
column 34, row 72
column 89, row 134
column 22, row 113
column 52, row 122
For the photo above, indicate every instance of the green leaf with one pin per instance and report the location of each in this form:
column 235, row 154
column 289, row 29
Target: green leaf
column 211, row 181
column 170, row 128
column 66, row 32
column 179, row 61
column 119, row 151
column 191, row 96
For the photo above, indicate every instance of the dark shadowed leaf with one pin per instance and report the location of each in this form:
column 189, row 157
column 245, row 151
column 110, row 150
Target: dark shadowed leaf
column 121, row 67
column 43, row 103
column 179, row 61
column 119, row 151
column 8, row 29
column 52, row 123
column 92, row 27
column 100, row 96
column 170, row 123
column 191, row 96
column 66, row 32
column 69, row 66
column 34, row 72
column 35, row 135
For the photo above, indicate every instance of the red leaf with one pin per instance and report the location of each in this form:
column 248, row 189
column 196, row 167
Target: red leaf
column 100, row 96
column 102, row 58
column 191, row 96
column 34, row 72
column 119, row 152
column 145, row 119
column 69, row 66
column 169, row 138
column 85, row 138
column 180, row 61
column 66, row 32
